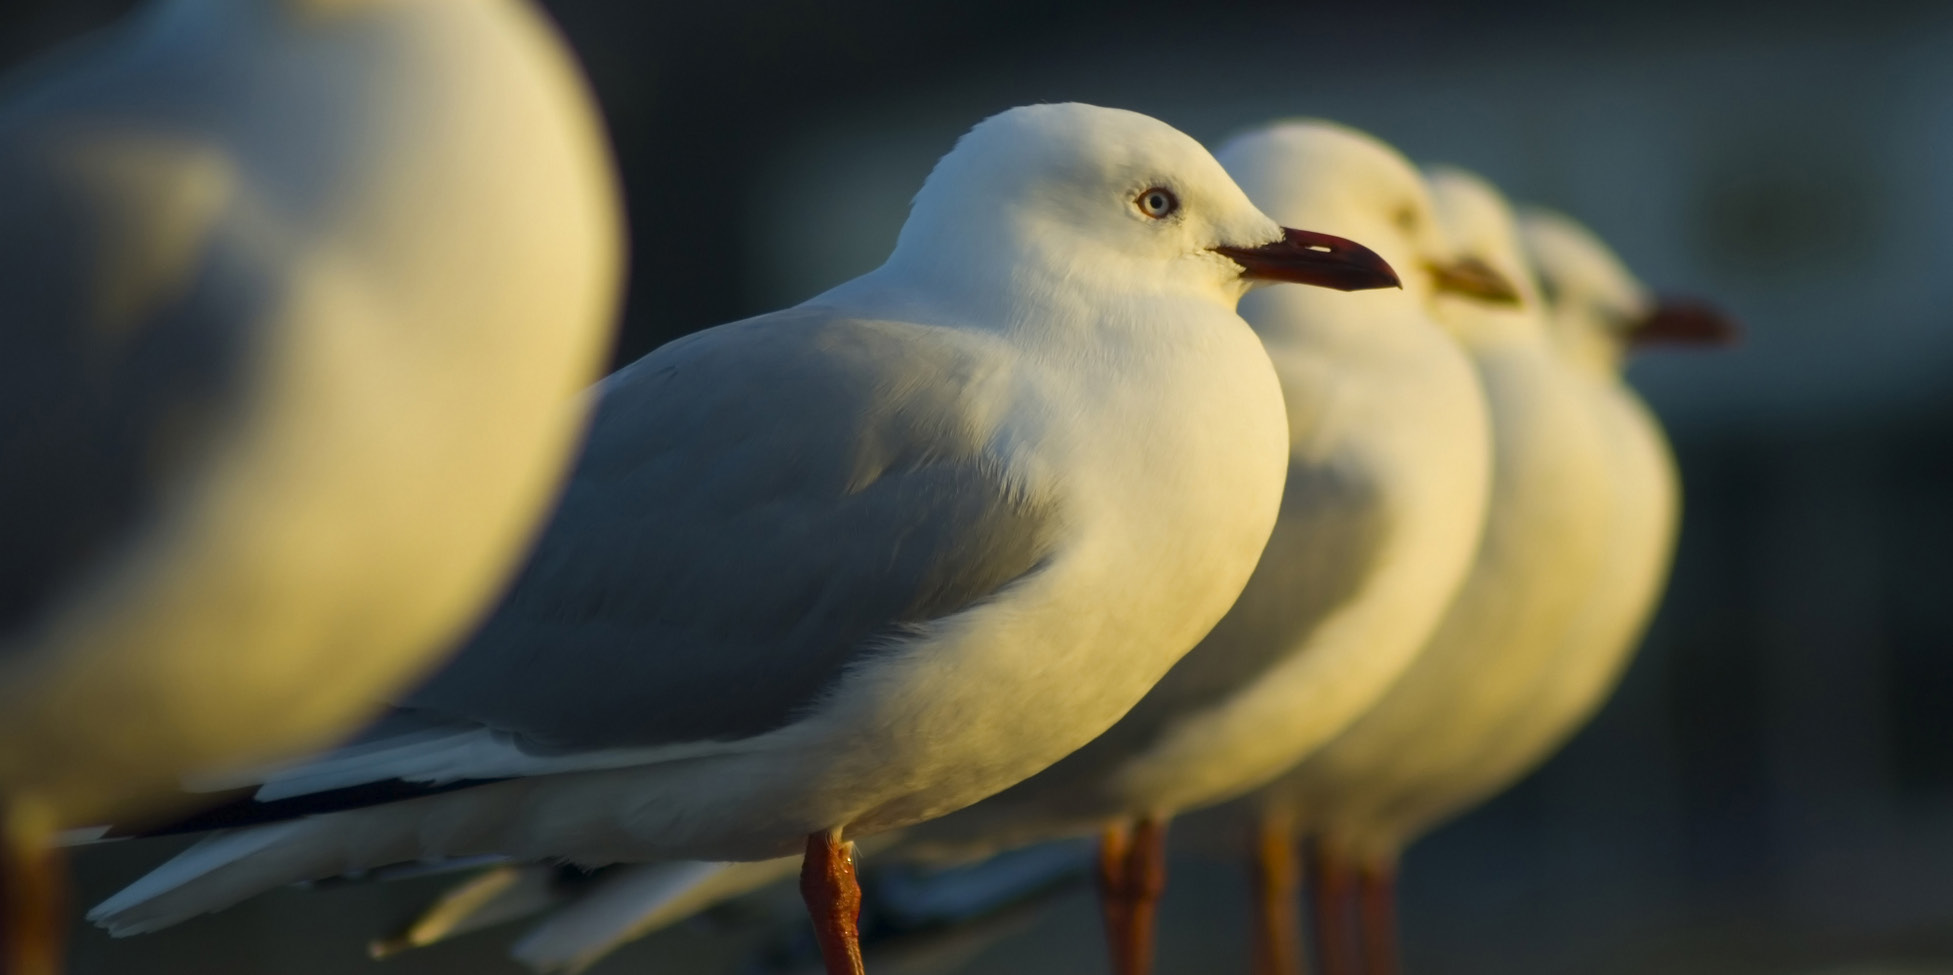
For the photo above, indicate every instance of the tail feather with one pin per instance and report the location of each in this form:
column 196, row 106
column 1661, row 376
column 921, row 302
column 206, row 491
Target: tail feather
column 158, row 899
column 491, row 897
column 631, row 902
column 231, row 866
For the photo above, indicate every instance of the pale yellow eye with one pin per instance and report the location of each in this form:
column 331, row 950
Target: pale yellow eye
column 1157, row 202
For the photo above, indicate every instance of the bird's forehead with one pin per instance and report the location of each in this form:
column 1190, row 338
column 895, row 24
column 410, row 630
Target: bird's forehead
column 1473, row 214
column 1077, row 144
column 1572, row 259
column 1316, row 167
column 1350, row 154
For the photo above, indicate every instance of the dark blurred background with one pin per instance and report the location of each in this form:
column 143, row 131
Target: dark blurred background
column 1772, row 789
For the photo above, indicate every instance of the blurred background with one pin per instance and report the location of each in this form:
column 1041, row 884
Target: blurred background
column 1772, row 789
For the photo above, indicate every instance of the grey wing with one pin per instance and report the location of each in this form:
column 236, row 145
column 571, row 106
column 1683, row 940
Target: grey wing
column 124, row 348
column 758, row 506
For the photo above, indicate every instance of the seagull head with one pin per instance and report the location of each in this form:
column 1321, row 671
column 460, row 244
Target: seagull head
column 1333, row 178
column 1479, row 223
column 1076, row 196
column 1596, row 308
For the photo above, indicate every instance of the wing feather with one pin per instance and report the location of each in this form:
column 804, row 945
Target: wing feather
column 759, row 506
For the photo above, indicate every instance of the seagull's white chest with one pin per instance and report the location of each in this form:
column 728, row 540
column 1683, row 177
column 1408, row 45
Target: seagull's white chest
column 1184, row 451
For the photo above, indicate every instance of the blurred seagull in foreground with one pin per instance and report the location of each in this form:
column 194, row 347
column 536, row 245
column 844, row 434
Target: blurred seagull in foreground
column 1389, row 466
column 300, row 297
column 849, row 566
column 1543, row 542
column 1595, row 312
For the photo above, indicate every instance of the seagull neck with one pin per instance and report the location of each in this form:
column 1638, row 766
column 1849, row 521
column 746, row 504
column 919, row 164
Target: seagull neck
column 1028, row 308
column 941, row 291
column 1589, row 347
column 903, row 293
column 1478, row 327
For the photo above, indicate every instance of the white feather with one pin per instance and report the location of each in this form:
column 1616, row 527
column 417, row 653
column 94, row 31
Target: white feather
column 636, row 901
column 438, row 759
column 123, row 914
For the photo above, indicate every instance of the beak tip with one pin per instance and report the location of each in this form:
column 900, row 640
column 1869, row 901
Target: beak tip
column 1687, row 321
column 1321, row 260
column 1470, row 277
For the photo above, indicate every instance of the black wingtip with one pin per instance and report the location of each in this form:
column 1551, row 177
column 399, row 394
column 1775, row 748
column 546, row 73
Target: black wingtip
column 239, row 809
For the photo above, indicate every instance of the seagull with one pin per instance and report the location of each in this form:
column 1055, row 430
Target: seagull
column 849, row 566
column 1388, row 472
column 1595, row 313
column 1543, row 544
column 300, row 299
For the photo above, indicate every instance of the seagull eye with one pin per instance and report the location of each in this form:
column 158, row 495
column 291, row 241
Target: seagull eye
column 1406, row 219
column 1157, row 202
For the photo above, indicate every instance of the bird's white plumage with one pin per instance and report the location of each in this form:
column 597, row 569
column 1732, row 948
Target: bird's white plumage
column 1545, row 537
column 1104, row 389
column 216, row 849
column 634, row 902
column 316, row 284
column 436, row 757
column 1595, row 304
column 1388, row 472
column 503, row 892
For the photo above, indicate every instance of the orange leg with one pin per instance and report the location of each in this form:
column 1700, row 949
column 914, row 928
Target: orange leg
column 1277, row 884
column 1334, row 888
column 827, row 884
column 1132, row 875
column 33, row 896
column 1145, row 882
column 1115, row 846
column 1377, row 917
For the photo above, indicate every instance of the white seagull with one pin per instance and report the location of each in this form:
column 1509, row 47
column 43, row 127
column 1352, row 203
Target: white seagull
column 1545, row 536
column 852, row 565
column 299, row 299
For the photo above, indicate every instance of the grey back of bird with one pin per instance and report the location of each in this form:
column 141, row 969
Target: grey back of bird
column 743, row 529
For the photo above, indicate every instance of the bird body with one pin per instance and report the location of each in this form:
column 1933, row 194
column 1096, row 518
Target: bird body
column 300, row 298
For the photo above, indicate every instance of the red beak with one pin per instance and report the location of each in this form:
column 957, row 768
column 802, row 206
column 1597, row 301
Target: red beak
column 1306, row 257
column 1684, row 321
